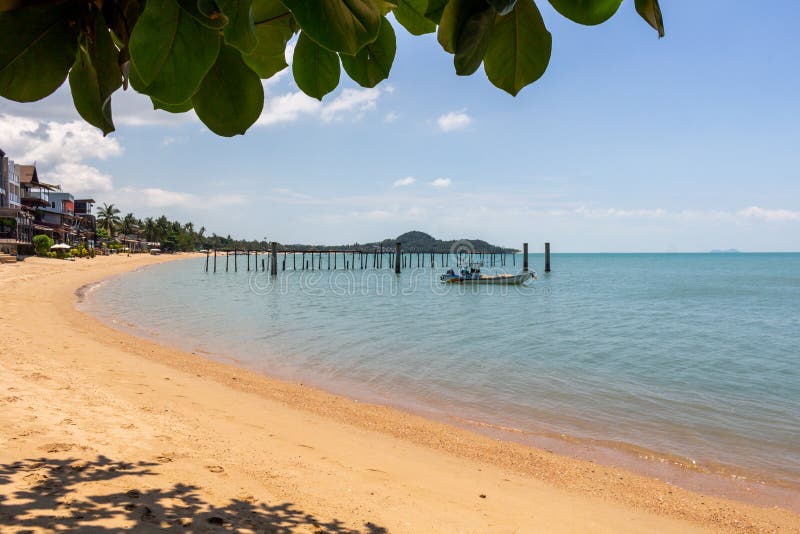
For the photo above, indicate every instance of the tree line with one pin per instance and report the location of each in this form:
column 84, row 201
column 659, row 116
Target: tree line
column 173, row 236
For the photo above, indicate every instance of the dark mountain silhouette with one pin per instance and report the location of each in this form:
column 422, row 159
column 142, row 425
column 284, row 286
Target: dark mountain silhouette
column 414, row 241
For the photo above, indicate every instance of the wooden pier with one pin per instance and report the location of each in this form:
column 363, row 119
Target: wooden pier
column 362, row 260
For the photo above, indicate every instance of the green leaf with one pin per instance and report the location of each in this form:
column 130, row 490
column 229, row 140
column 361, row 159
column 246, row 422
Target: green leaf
column 519, row 48
column 239, row 32
column 651, row 12
column 206, row 12
column 231, row 97
column 37, row 48
column 588, row 12
column 316, row 69
column 171, row 52
column 503, row 7
column 454, row 18
column 435, row 10
column 473, row 40
column 183, row 107
column 411, row 14
column 269, row 55
column 95, row 76
column 338, row 25
column 121, row 17
column 266, row 10
column 373, row 63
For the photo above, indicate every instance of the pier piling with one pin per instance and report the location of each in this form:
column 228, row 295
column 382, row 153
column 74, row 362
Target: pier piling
column 525, row 257
column 547, row 257
column 273, row 265
column 397, row 257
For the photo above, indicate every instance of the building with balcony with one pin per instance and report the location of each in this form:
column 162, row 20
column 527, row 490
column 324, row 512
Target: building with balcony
column 16, row 224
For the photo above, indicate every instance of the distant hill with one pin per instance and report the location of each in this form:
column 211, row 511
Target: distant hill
column 413, row 241
column 416, row 241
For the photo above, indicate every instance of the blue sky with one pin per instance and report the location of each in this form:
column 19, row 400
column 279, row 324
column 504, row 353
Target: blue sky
column 628, row 143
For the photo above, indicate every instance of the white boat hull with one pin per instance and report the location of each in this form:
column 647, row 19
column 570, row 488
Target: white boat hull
column 500, row 279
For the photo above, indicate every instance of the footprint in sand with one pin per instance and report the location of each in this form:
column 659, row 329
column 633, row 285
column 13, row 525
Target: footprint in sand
column 36, row 376
column 164, row 459
column 215, row 468
column 57, row 447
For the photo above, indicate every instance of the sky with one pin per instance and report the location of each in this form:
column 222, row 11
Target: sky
column 628, row 143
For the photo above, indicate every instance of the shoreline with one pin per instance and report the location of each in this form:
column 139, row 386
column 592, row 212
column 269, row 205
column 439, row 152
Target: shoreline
column 737, row 482
column 420, row 467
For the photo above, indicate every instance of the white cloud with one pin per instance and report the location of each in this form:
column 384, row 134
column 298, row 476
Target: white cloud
column 287, row 108
column 77, row 178
column 455, row 120
column 158, row 198
column 61, row 151
column 171, row 140
column 403, row 182
column 441, row 182
column 155, row 197
column 52, row 143
column 390, row 117
column 351, row 104
column 770, row 215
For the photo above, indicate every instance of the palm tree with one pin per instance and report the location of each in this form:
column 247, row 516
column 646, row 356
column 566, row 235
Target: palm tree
column 129, row 224
column 108, row 218
column 150, row 229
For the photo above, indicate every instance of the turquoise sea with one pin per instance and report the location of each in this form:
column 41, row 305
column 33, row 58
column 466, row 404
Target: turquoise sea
column 691, row 358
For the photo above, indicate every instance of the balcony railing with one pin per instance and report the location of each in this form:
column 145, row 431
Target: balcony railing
column 38, row 195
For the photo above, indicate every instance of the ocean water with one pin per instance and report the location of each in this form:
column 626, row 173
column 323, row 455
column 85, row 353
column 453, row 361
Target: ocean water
column 692, row 355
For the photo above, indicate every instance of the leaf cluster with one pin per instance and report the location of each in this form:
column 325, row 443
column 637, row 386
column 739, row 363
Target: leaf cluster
column 212, row 55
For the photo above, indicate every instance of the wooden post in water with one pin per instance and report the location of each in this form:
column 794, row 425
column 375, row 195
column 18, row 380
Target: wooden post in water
column 235, row 265
column 248, row 260
column 215, row 260
column 303, row 260
column 547, row 257
column 525, row 257
column 207, row 253
column 284, row 261
column 397, row 257
column 273, row 266
column 263, row 267
column 227, row 255
column 255, row 262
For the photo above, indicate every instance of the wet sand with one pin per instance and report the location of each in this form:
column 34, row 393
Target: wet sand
column 100, row 429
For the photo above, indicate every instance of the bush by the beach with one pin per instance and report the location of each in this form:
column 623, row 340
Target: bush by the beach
column 42, row 244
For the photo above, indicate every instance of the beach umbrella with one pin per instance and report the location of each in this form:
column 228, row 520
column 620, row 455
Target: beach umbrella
column 60, row 246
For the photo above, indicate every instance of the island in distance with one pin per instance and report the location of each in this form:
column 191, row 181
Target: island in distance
column 413, row 241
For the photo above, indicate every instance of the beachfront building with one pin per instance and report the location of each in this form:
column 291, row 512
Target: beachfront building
column 9, row 182
column 30, row 206
column 16, row 224
column 88, row 221
column 54, row 211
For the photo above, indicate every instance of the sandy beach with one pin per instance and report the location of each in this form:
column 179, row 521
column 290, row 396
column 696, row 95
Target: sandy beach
column 100, row 430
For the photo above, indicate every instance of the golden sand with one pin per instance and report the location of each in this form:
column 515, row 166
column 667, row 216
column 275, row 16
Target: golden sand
column 100, row 429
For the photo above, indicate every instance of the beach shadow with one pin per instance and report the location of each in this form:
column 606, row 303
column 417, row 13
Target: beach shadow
column 64, row 495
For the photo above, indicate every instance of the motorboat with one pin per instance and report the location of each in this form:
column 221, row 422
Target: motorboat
column 471, row 274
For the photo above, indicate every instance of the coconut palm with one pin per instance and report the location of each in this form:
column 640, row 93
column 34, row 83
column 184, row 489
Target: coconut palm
column 129, row 225
column 108, row 218
column 150, row 229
